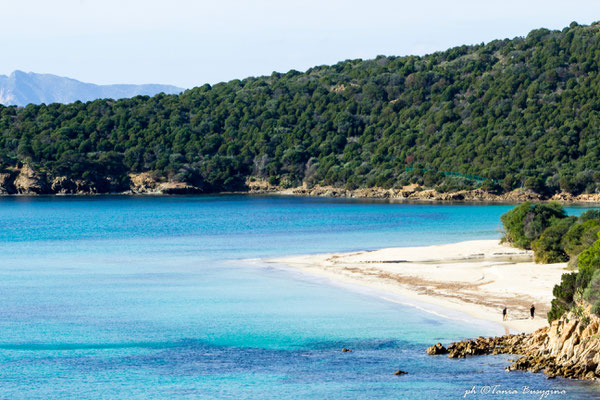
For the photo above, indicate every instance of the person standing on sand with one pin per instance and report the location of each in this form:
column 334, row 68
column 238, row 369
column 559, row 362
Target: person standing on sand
column 532, row 311
column 504, row 314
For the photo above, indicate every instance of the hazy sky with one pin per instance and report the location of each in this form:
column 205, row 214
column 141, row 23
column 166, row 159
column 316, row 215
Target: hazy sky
column 188, row 43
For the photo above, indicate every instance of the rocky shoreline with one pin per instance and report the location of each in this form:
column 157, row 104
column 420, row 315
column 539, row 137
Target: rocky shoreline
column 418, row 193
column 569, row 347
column 27, row 181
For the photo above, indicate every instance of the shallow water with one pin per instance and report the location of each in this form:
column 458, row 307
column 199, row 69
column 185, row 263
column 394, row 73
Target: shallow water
column 139, row 297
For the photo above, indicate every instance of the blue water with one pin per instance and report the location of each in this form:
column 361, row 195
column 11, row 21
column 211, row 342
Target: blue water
column 138, row 297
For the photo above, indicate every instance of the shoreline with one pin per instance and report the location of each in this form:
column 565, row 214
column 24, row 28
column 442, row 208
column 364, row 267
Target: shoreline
column 417, row 304
column 291, row 193
column 477, row 278
column 26, row 181
column 416, row 193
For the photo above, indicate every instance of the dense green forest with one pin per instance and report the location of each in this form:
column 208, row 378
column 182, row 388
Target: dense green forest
column 519, row 113
column 555, row 237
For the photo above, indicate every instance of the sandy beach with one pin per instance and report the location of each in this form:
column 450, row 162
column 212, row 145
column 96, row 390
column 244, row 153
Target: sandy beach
column 476, row 277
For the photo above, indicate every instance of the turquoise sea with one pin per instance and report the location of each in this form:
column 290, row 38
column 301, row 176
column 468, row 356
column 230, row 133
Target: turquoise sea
column 153, row 298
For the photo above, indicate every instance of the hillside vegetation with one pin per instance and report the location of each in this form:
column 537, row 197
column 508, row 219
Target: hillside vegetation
column 507, row 114
column 555, row 237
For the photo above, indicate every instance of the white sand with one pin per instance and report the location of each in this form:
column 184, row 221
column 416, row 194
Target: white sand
column 477, row 277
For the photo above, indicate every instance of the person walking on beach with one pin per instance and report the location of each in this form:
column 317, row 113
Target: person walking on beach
column 504, row 317
column 532, row 311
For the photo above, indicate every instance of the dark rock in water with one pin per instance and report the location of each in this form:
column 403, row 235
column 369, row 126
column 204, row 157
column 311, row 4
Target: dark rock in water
column 436, row 349
column 569, row 348
column 400, row 372
column 345, row 350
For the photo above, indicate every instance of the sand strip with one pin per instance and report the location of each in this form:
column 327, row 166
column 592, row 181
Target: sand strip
column 476, row 277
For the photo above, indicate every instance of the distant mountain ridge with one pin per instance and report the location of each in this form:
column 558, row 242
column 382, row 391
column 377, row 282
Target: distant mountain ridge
column 22, row 88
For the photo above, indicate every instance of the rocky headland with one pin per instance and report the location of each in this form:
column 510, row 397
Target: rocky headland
column 569, row 347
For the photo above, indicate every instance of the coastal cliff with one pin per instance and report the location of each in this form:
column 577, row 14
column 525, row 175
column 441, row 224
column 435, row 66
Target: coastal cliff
column 569, row 347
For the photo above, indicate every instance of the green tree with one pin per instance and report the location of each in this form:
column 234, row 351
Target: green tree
column 588, row 263
column 548, row 247
column 525, row 223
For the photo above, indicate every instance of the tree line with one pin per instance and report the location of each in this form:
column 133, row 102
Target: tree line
column 517, row 113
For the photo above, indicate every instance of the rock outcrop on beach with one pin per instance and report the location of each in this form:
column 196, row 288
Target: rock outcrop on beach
column 569, row 347
column 146, row 183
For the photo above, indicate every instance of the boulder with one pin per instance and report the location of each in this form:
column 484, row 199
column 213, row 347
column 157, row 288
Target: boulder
column 7, row 183
column 436, row 349
column 142, row 183
column 146, row 183
column 29, row 181
column 64, row 185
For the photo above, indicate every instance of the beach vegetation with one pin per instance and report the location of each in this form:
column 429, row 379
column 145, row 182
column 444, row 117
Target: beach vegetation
column 586, row 280
column 524, row 224
column 548, row 248
column 555, row 237
column 563, row 296
column 590, row 215
column 580, row 236
column 592, row 292
column 588, row 262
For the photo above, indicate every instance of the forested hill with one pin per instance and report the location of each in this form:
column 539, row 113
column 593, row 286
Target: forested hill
column 520, row 112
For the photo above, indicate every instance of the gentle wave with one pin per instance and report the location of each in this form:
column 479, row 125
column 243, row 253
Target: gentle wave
column 93, row 346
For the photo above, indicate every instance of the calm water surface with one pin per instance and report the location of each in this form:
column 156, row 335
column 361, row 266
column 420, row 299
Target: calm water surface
column 138, row 297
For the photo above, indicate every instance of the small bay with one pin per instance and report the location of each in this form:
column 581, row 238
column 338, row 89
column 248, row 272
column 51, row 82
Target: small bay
column 166, row 297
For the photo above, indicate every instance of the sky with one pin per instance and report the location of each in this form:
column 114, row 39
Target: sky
column 188, row 43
